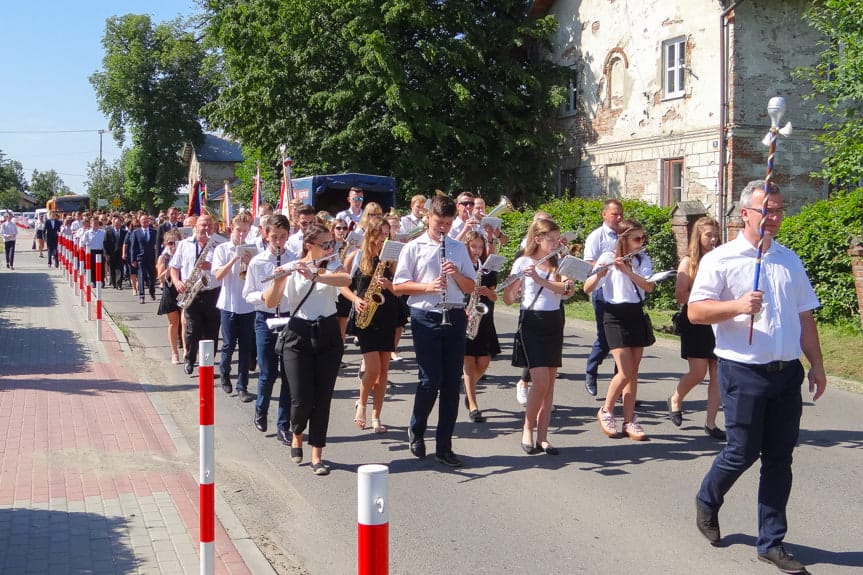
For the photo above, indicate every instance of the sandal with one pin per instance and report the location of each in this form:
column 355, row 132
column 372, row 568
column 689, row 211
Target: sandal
column 376, row 425
column 175, row 358
column 360, row 421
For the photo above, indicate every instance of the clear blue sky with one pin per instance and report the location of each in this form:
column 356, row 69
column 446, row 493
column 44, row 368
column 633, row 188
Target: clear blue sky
column 49, row 49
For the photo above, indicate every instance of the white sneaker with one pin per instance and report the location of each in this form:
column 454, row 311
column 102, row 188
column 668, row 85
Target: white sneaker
column 521, row 391
column 395, row 357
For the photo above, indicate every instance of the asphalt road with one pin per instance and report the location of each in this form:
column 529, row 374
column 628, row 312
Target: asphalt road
column 602, row 506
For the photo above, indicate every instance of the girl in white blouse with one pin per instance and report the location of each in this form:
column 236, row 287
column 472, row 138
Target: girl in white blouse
column 624, row 284
column 313, row 349
column 541, row 328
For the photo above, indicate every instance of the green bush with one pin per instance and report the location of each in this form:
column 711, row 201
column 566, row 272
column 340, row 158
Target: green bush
column 582, row 216
column 819, row 234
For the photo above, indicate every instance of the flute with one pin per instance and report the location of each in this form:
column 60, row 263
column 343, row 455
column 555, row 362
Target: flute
column 282, row 272
column 627, row 257
column 562, row 250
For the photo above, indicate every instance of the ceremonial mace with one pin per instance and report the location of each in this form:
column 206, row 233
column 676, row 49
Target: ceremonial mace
column 775, row 109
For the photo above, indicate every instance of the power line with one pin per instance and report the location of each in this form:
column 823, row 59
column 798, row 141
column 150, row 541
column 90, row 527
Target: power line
column 49, row 131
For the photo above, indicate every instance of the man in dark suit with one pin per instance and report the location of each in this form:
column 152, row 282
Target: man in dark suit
column 52, row 235
column 143, row 256
column 115, row 235
column 171, row 223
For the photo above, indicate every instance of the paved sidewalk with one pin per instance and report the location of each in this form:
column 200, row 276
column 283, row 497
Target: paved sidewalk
column 91, row 480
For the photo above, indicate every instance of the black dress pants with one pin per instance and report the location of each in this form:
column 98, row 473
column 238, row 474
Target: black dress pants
column 202, row 322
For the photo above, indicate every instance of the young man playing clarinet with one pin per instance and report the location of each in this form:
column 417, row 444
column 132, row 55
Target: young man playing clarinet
column 436, row 272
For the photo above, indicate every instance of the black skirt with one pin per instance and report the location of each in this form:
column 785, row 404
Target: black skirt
column 486, row 341
column 541, row 338
column 624, row 325
column 168, row 303
column 343, row 306
column 696, row 341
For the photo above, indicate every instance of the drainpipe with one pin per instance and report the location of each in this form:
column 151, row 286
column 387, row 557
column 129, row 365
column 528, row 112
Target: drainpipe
column 723, row 113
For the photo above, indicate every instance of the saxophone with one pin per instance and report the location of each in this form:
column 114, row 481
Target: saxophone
column 475, row 309
column 197, row 280
column 373, row 297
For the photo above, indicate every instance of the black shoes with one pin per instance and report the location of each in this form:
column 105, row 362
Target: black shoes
column 226, row 383
column 708, row 524
column 297, row 455
column 590, row 383
column 715, row 433
column 476, row 416
column 284, row 436
column 676, row 416
column 530, row 449
column 188, row 367
column 449, row 459
column 320, row 468
column 245, row 396
column 418, row 446
column 783, row 560
column 260, row 420
column 549, row 449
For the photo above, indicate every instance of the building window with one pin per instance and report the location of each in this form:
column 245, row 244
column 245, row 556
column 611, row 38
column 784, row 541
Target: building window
column 672, row 181
column 570, row 105
column 674, row 67
column 567, row 183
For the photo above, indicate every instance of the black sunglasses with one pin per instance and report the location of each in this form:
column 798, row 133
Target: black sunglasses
column 466, row 203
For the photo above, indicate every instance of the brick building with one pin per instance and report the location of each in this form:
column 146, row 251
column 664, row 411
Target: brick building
column 211, row 163
column 664, row 90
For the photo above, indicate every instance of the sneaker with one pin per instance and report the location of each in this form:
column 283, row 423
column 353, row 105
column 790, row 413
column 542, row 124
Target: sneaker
column 634, row 430
column 395, row 357
column 521, row 391
column 783, row 560
column 607, row 423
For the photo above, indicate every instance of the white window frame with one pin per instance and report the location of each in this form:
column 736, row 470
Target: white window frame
column 674, row 67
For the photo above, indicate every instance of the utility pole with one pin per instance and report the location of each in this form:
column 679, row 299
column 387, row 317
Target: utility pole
column 101, row 183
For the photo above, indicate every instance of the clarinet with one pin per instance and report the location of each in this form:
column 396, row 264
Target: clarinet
column 443, row 293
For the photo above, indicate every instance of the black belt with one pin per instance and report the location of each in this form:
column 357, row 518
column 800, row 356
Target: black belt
column 771, row 367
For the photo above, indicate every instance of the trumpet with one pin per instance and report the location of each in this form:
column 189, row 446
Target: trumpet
column 282, row 272
column 625, row 258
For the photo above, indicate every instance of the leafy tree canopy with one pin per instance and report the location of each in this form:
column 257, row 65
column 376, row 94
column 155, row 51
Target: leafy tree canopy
column 152, row 87
column 106, row 181
column 11, row 175
column 447, row 94
column 837, row 81
column 44, row 185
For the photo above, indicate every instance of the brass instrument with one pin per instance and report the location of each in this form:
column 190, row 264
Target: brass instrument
column 373, row 297
column 443, row 305
column 198, row 279
column 475, row 309
column 282, row 272
column 504, row 206
column 627, row 257
column 561, row 250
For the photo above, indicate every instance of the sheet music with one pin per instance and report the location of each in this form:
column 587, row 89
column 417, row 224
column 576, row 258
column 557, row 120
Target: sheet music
column 186, row 232
column 493, row 263
column 354, row 238
column 244, row 249
column 568, row 236
column 492, row 221
column 391, row 250
column 574, row 268
column 403, row 238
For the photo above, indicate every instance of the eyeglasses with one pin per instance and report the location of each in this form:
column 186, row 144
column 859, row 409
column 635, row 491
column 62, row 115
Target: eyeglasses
column 466, row 203
column 327, row 245
column 357, row 199
column 340, row 228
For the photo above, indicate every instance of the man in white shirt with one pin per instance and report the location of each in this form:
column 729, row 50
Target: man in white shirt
column 10, row 234
column 202, row 317
column 355, row 208
column 230, row 267
column 602, row 239
column 277, row 228
column 305, row 215
column 465, row 220
column 760, row 375
column 436, row 272
column 414, row 218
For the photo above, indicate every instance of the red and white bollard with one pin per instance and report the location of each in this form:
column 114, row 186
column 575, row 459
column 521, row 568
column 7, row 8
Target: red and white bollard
column 99, row 297
column 206, row 472
column 373, row 526
column 88, row 279
column 81, row 271
column 73, row 246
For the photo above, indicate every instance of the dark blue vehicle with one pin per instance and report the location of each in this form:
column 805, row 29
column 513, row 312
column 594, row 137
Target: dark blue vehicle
column 330, row 192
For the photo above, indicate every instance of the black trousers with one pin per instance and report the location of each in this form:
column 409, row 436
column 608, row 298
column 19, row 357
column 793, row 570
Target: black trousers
column 52, row 253
column 311, row 358
column 116, row 264
column 202, row 322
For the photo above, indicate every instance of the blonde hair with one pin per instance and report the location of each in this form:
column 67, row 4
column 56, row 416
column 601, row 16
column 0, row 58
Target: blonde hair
column 538, row 229
column 370, row 207
column 373, row 232
column 695, row 250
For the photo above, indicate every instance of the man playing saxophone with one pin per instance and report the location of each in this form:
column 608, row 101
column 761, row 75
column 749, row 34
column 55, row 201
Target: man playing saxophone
column 202, row 316
column 376, row 317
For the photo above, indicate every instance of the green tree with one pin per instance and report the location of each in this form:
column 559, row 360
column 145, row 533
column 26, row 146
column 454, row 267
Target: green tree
column 837, row 82
column 107, row 183
column 451, row 95
column 44, row 185
column 152, row 87
column 11, row 176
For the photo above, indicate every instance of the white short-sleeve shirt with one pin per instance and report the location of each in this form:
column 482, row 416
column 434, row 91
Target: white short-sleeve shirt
column 728, row 272
column 231, row 295
column 419, row 261
column 616, row 285
column 261, row 266
column 547, row 300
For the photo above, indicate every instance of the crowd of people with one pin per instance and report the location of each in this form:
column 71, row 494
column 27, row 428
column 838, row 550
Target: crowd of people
column 285, row 293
